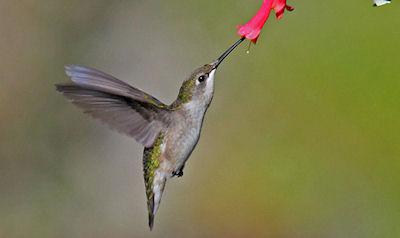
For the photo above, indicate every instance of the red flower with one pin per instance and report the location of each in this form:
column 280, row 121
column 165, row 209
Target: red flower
column 251, row 30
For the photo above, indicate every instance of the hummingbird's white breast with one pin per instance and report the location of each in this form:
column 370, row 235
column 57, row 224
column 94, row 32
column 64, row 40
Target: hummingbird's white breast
column 185, row 136
column 185, row 132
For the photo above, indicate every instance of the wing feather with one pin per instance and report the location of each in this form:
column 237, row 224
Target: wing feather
column 97, row 80
column 121, row 106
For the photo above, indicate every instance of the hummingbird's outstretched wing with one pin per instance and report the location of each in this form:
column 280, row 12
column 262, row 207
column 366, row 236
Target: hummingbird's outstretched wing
column 121, row 106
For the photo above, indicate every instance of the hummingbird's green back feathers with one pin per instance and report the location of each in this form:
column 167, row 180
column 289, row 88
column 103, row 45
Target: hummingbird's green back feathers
column 151, row 163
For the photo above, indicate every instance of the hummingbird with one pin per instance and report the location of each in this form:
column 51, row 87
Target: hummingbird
column 169, row 133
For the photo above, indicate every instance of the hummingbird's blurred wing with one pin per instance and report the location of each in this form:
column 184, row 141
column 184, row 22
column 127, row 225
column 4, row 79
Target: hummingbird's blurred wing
column 121, row 106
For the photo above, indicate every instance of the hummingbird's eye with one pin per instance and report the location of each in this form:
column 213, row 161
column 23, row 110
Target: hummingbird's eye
column 202, row 78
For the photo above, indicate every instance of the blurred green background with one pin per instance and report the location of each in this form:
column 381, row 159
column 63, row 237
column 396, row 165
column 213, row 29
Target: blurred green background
column 301, row 140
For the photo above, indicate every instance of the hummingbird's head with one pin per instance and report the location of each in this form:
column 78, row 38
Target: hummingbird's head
column 199, row 87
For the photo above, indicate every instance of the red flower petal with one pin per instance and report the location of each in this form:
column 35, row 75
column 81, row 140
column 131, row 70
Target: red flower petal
column 252, row 29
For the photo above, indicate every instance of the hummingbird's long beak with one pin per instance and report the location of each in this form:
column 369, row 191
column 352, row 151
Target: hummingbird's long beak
column 226, row 53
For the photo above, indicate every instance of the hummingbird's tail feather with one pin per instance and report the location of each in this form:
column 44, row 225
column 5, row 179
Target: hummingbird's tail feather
column 154, row 197
column 151, row 220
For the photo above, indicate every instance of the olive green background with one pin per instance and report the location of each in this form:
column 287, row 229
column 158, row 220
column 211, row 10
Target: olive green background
column 301, row 140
